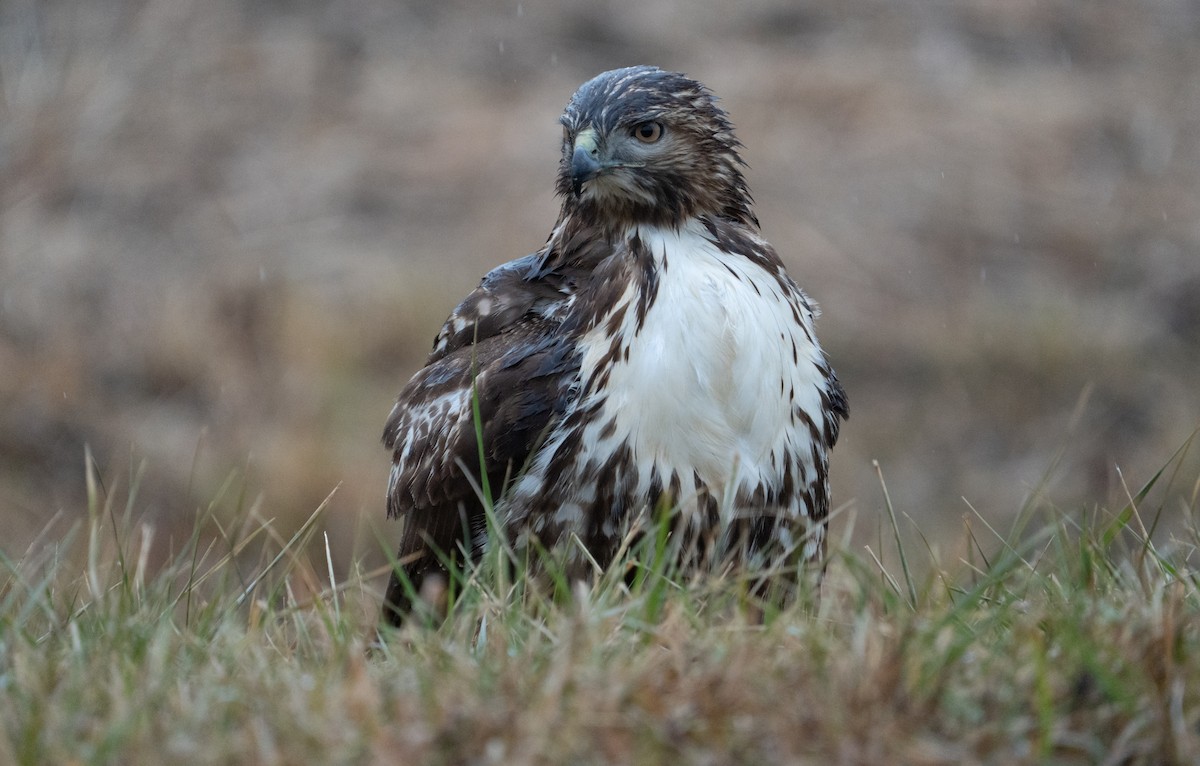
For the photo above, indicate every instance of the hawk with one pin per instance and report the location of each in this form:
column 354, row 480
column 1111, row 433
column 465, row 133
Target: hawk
column 653, row 353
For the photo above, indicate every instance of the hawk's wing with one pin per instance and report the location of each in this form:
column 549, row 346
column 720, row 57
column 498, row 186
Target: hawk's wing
column 501, row 344
column 508, row 294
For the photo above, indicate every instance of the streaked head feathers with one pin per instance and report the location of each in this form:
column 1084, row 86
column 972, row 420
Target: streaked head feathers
column 641, row 145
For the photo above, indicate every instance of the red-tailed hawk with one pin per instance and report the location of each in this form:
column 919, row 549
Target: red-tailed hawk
column 653, row 351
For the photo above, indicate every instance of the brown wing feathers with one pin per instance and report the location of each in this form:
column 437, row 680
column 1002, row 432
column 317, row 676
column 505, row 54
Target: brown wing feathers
column 498, row 346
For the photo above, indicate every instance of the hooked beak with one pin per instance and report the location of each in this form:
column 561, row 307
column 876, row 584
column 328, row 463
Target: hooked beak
column 585, row 161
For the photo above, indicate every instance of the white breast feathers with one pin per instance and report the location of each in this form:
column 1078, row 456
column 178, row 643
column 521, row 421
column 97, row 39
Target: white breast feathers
column 713, row 379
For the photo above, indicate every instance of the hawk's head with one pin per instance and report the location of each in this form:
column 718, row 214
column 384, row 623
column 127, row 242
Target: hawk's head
column 641, row 145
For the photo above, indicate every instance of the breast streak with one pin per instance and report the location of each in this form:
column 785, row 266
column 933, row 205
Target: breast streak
column 706, row 386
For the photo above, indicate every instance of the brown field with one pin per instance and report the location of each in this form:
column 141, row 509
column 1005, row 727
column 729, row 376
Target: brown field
column 229, row 231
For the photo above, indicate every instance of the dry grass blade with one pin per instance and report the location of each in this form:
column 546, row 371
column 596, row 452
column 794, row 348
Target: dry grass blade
column 1072, row 659
column 891, row 512
column 300, row 534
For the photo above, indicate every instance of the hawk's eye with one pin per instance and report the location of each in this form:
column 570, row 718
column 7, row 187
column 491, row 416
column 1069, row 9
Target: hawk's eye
column 648, row 132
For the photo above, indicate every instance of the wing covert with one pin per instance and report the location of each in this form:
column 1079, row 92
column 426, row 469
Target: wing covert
column 500, row 342
column 507, row 294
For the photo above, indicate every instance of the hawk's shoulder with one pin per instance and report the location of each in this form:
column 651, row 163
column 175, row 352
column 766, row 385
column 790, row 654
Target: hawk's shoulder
column 509, row 294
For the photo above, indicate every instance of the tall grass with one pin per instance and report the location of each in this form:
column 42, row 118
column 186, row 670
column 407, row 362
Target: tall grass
column 1071, row 639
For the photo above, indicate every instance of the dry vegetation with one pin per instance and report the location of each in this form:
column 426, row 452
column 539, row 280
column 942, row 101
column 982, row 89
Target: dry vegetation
column 1073, row 642
column 229, row 230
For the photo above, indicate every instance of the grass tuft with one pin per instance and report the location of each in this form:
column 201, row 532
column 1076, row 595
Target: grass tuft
column 1073, row 639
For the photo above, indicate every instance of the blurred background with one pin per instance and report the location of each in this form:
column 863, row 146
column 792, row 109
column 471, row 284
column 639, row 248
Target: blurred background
column 229, row 232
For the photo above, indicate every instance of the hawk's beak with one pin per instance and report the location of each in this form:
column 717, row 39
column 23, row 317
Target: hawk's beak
column 585, row 161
